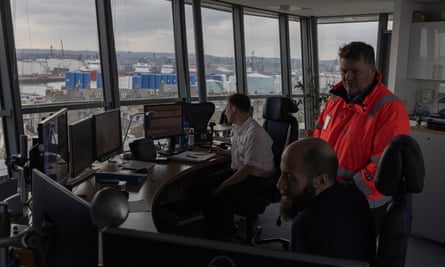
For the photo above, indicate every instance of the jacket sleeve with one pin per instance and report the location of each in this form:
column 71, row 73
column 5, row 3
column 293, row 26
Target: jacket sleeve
column 391, row 120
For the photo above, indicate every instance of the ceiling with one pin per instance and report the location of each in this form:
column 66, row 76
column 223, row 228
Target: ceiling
column 324, row 8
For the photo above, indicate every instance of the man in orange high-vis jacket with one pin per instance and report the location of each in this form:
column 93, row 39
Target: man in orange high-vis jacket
column 361, row 116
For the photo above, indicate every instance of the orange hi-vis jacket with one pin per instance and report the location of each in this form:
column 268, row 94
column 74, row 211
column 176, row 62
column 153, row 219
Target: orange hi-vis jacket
column 359, row 132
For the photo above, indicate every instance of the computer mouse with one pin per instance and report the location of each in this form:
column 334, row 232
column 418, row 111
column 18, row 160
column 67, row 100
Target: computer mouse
column 223, row 146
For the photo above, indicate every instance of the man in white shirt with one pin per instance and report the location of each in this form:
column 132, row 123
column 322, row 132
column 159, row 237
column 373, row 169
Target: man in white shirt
column 252, row 163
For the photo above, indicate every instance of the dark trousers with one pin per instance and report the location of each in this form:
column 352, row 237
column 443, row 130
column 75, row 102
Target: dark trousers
column 219, row 209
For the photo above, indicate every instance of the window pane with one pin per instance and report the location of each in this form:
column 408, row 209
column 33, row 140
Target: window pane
column 132, row 119
column 390, row 22
column 191, row 49
column 262, row 55
column 296, row 69
column 31, row 120
column 3, row 168
column 333, row 35
column 295, row 54
column 143, row 32
column 219, row 51
column 57, row 53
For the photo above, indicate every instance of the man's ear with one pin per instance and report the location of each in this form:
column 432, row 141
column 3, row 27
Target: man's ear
column 321, row 181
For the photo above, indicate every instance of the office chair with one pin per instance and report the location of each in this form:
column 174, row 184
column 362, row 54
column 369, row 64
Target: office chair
column 283, row 129
column 400, row 171
column 198, row 116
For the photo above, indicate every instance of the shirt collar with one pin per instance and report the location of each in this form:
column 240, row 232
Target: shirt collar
column 241, row 128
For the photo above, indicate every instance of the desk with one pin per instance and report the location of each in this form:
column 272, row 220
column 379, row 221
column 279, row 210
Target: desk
column 165, row 183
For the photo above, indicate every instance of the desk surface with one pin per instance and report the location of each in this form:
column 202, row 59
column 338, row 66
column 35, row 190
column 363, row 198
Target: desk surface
column 160, row 177
column 163, row 174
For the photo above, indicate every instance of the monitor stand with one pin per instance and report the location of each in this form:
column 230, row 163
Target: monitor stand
column 172, row 149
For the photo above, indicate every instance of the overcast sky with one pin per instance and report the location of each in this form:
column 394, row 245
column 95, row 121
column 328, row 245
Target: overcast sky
column 146, row 25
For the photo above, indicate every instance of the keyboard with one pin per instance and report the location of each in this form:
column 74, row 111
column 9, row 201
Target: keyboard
column 87, row 173
column 170, row 153
column 122, row 175
column 137, row 165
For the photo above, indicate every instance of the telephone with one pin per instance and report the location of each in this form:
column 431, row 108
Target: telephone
column 143, row 149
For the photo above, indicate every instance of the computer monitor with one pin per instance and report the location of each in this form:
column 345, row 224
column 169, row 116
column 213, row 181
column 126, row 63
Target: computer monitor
column 125, row 247
column 108, row 133
column 164, row 121
column 70, row 238
column 53, row 145
column 82, row 148
column 198, row 116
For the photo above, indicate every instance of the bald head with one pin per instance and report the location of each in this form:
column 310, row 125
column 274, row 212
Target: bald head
column 313, row 156
column 308, row 167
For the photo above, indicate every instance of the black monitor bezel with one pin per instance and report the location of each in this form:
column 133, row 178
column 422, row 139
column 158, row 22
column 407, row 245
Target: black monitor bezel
column 116, row 150
column 70, row 238
column 54, row 119
column 193, row 251
column 81, row 141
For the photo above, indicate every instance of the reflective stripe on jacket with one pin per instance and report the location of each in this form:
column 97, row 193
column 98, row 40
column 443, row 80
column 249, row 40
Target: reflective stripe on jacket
column 360, row 132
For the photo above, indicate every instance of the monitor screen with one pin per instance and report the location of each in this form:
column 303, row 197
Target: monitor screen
column 71, row 239
column 108, row 132
column 164, row 120
column 53, row 140
column 82, row 146
column 161, row 249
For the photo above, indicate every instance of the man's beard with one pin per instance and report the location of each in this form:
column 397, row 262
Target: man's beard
column 290, row 206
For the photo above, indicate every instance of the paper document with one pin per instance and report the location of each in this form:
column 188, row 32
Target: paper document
column 193, row 156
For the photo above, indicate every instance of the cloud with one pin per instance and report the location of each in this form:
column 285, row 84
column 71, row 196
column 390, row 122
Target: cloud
column 147, row 25
column 140, row 25
column 332, row 36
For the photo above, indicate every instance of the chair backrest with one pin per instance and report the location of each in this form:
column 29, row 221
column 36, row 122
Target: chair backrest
column 401, row 169
column 198, row 116
column 280, row 124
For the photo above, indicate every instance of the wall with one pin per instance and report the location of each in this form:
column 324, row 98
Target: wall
column 403, row 87
column 409, row 90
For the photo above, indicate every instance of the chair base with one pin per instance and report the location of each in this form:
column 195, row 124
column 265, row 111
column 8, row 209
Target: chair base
column 252, row 236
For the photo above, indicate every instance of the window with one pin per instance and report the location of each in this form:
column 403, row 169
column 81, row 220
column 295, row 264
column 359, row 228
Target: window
column 335, row 32
column 262, row 55
column 57, row 53
column 3, row 168
column 132, row 123
column 191, row 49
column 219, row 52
column 390, row 22
column 143, row 32
column 296, row 69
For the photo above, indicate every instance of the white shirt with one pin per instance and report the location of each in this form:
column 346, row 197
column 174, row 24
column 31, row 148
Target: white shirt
column 252, row 145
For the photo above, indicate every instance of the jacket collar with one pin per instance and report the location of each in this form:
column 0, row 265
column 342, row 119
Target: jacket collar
column 339, row 90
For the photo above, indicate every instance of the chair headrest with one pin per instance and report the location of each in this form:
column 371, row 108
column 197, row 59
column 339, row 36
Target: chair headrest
column 278, row 108
column 401, row 167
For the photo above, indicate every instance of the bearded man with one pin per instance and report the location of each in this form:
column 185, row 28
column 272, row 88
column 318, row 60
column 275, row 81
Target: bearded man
column 330, row 218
